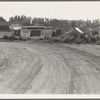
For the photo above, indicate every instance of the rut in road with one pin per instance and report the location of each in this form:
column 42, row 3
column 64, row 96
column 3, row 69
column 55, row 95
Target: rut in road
column 47, row 69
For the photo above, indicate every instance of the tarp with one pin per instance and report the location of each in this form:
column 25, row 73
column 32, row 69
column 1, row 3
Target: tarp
column 79, row 30
column 16, row 28
column 14, row 25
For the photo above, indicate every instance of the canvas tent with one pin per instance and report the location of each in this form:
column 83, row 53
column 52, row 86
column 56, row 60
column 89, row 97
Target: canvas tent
column 14, row 25
column 16, row 28
column 17, row 31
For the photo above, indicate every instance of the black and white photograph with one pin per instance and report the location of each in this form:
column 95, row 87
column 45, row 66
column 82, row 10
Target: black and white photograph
column 50, row 48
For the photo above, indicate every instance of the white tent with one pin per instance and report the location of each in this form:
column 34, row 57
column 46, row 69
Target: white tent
column 16, row 28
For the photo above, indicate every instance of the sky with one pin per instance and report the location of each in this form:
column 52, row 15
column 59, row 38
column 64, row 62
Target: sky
column 60, row 10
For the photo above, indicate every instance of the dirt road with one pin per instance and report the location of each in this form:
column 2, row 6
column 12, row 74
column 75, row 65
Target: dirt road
column 49, row 69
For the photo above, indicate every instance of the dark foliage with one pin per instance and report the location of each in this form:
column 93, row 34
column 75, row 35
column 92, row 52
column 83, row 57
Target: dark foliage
column 56, row 23
column 2, row 19
column 5, row 37
column 13, row 37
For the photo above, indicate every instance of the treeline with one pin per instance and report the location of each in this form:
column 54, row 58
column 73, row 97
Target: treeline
column 2, row 19
column 56, row 23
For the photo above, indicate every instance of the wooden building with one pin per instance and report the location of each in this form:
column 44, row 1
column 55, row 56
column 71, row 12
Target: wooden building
column 39, row 31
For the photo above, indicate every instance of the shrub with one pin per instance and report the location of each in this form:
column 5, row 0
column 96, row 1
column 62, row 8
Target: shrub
column 78, row 41
column 22, row 38
column 54, row 39
column 93, row 39
column 5, row 37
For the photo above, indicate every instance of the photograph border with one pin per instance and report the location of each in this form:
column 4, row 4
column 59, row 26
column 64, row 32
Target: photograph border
column 49, row 97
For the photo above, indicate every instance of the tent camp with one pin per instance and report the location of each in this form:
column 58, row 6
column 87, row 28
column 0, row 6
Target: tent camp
column 16, row 28
column 17, row 31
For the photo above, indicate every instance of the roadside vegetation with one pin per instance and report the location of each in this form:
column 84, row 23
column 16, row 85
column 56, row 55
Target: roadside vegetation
column 82, row 39
column 71, row 39
column 13, row 37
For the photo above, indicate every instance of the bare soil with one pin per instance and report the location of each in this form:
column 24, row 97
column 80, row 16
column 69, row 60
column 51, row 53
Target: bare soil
column 49, row 68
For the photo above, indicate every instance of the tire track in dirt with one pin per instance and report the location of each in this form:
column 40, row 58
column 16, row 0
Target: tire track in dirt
column 26, row 67
column 55, row 79
column 47, row 69
column 86, row 78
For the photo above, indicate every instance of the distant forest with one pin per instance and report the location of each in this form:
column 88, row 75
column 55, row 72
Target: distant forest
column 56, row 23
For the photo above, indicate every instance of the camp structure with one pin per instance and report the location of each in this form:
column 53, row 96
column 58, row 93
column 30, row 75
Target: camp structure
column 33, row 30
column 87, row 31
column 76, row 31
column 16, row 29
column 71, row 34
column 38, row 31
column 95, row 32
column 47, row 32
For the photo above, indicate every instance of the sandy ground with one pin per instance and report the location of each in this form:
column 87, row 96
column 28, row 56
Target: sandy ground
column 49, row 69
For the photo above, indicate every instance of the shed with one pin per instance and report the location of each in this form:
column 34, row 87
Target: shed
column 32, row 27
column 40, row 31
column 74, row 32
column 33, row 30
column 47, row 32
column 35, row 33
